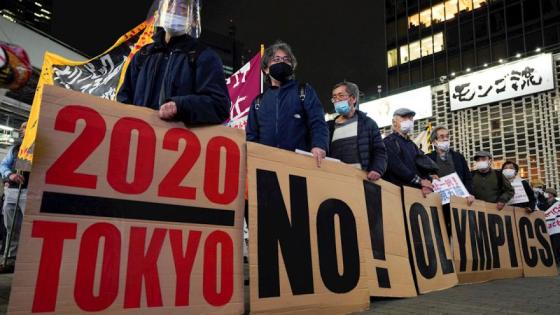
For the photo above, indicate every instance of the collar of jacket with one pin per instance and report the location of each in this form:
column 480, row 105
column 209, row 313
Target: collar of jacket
column 284, row 86
column 183, row 42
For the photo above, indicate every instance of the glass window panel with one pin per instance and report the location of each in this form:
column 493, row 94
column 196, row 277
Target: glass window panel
column 438, row 42
column 426, row 17
column 465, row 5
column 392, row 58
column 451, row 8
column 427, row 46
column 414, row 20
column 404, row 54
column 438, row 14
column 415, row 50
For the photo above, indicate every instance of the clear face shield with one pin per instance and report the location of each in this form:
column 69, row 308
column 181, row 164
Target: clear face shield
column 179, row 17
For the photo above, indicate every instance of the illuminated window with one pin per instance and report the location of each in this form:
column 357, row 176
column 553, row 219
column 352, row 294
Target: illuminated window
column 420, row 48
column 451, row 8
column 426, row 18
column 392, row 58
column 438, row 42
column 413, row 20
column 415, row 50
column 438, row 14
column 465, row 5
column 404, row 54
column 443, row 12
column 427, row 46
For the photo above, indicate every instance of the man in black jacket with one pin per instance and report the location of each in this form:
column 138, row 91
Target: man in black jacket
column 402, row 153
column 355, row 138
column 177, row 75
column 449, row 160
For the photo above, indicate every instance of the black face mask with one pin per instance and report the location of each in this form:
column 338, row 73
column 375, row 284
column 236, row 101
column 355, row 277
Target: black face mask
column 281, row 71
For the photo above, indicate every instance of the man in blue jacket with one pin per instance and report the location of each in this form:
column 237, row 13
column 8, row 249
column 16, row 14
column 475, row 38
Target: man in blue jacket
column 288, row 115
column 402, row 152
column 176, row 74
column 354, row 137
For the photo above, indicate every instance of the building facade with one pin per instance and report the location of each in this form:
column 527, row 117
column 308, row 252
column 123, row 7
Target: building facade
column 432, row 40
column 521, row 129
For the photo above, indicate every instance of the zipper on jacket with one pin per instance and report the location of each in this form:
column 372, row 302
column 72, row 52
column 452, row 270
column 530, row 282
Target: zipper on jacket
column 162, row 96
column 277, row 145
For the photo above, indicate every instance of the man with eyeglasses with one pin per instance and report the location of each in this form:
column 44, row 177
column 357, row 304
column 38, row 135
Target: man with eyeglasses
column 354, row 137
column 288, row 115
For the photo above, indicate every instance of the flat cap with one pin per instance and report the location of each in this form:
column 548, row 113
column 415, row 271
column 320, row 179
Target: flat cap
column 482, row 154
column 551, row 191
column 404, row 112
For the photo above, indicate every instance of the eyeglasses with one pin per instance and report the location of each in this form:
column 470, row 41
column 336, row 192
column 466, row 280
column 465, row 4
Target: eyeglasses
column 339, row 96
column 282, row 59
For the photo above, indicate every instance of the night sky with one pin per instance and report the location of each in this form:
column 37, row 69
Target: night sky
column 332, row 40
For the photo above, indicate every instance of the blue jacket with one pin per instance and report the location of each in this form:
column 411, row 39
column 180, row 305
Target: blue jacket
column 7, row 167
column 201, row 94
column 282, row 121
column 401, row 166
column 461, row 168
column 371, row 149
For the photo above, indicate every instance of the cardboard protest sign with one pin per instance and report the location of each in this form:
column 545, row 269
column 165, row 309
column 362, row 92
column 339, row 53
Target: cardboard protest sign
column 390, row 259
column 312, row 231
column 127, row 212
column 520, row 195
column 538, row 256
column 485, row 241
column 450, row 185
column 428, row 241
column 552, row 217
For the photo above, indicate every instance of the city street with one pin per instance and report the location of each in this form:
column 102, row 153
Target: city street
column 512, row 296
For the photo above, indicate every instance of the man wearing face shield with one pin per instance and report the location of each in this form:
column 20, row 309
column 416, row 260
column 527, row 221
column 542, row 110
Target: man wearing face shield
column 288, row 115
column 354, row 137
column 402, row 153
column 176, row 74
column 490, row 185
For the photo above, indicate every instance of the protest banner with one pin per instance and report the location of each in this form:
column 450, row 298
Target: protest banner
column 428, row 241
column 520, row 195
column 538, row 257
column 129, row 213
column 485, row 241
column 322, row 238
column 450, row 185
column 552, row 217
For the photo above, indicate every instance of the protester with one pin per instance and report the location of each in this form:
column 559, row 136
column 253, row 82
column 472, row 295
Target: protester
column 177, row 75
column 354, row 137
column 510, row 170
column 402, row 154
column 538, row 188
column 288, row 115
column 489, row 184
column 15, row 196
column 449, row 161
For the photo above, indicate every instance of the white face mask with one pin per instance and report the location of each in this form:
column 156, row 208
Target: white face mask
column 509, row 173
column 174, row 24
column 406, row 126
column 482, row 165
column 444, row 145
column 546, row 195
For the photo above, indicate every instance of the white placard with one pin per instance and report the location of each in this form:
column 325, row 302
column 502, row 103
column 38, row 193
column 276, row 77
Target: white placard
column 520, row 195
column 513, row 79
column 552, row 216
column 450, row 185
column 381, row 110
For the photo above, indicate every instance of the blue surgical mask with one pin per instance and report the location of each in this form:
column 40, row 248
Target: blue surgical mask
column 342, row 107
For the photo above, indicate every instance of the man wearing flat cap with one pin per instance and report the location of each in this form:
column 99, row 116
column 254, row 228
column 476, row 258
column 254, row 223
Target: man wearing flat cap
column 489, row 184
column 402, row 152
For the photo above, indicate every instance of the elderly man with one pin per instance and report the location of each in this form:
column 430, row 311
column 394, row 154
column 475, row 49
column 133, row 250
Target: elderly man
column 488, row 184
column 288, row 115
column 354, row 137
column 402, row 153
column 177, row 75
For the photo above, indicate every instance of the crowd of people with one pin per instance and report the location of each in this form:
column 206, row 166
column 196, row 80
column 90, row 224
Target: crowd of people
column 184, row 81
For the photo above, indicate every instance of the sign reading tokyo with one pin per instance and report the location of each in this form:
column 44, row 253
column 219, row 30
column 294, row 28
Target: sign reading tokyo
column 514, row 79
